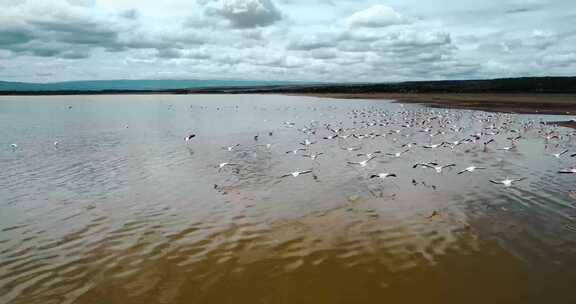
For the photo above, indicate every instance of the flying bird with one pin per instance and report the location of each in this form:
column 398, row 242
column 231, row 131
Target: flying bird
column 189, row 137
column 557, row 155
column 363, row 163
column 471, row 169
column 507, row 182
column 383, row 175
column 296, row 173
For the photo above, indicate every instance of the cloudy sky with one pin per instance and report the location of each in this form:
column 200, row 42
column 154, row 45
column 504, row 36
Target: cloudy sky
column 320, row 40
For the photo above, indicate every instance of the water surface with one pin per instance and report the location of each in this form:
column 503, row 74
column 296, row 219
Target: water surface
column 122, row 210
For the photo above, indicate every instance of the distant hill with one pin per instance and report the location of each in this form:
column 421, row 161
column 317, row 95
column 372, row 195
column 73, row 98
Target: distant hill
column 523, row 85
column 134, row 85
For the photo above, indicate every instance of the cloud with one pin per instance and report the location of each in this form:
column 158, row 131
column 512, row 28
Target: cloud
column 323, row 54
column 52, row 28
column 311, row 42
column 375, row 16
column 14, row 36
column 248, row 13
column 331, row 40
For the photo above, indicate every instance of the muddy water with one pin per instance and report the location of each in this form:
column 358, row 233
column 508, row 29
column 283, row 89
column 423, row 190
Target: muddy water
column 121, row 210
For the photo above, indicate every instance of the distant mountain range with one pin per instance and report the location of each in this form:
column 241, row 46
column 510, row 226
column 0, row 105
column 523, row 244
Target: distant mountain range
column 134, row 85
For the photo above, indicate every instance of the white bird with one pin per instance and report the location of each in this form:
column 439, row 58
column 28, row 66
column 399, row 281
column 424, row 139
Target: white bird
column 436, row 167
column 230, row 148
column 434, row 146
column 295, row 151
column 453, row 144
column 222, row 165
column 313, row 156
column 189, row 137
column 489, row 142
column 397, row 154
column 14, row 146
column 56, row 143
column 370, row 155
column 568, row 171
column 383, row 175
column 308, row 143
column 297, row 173
column 471, row 169
column 409, row 145
column 362, row 164
column 557, row 155
column 351, row 149
column 331, row 136
column 507, row 182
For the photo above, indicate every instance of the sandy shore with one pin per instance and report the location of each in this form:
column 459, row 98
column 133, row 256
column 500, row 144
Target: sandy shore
column 558, row 104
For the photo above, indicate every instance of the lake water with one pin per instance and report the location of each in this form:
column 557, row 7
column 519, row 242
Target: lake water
column 123, row 210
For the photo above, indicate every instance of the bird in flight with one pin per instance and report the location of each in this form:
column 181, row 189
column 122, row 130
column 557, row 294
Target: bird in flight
column 507, row 182
column 296, row 173
column 471, row 169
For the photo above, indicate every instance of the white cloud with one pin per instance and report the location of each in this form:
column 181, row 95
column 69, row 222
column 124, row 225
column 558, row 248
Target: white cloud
column 311, row 42
column 284, row 39
column 248, row 13
column 375, row 16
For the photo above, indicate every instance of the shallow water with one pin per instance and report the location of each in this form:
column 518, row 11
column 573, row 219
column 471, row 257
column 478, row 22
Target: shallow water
column 122, row 210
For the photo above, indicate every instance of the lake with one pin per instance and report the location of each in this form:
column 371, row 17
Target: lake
column 103, row 201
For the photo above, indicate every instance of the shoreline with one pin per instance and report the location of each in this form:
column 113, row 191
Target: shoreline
column 552, row 104
column 520, row 103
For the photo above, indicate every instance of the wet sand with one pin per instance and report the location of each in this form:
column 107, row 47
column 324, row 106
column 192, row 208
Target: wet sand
column 555, row 104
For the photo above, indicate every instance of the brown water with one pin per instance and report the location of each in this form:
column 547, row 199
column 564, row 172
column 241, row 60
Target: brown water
column 123, row 211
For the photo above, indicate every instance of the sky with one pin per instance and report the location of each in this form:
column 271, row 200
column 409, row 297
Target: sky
column 303, row 40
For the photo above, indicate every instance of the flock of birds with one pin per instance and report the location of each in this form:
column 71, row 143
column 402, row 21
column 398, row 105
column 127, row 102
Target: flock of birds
column 405, row 131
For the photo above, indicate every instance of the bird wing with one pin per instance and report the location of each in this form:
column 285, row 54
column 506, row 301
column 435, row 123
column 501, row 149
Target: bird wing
column 306, row 171
column 495, row 182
